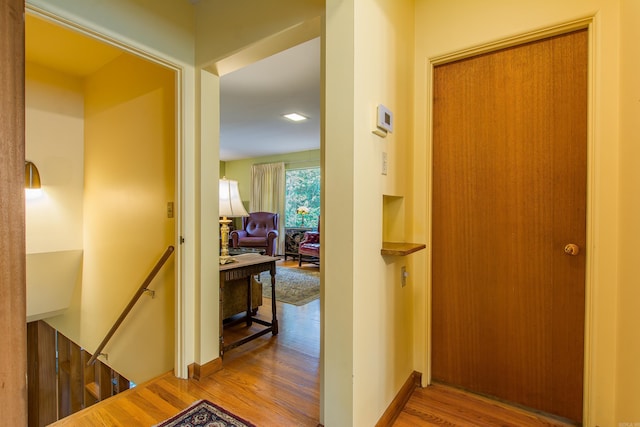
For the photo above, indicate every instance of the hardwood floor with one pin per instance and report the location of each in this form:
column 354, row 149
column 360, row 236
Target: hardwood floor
column 439, row 405
column 274, row 381
column 271, row 381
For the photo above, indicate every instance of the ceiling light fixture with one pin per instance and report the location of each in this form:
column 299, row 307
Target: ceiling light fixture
column 295, row 117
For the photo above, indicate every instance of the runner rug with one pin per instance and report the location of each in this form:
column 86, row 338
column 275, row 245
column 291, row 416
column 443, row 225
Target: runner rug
column 297, row 286
column 205, row 414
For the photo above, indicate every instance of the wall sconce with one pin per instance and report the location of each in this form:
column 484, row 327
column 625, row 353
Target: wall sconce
column 31, row 175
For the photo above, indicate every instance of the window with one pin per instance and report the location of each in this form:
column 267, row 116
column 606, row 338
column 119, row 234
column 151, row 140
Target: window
column 302, row 191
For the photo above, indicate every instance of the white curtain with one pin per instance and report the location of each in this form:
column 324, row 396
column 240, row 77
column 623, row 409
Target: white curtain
column 267, row 194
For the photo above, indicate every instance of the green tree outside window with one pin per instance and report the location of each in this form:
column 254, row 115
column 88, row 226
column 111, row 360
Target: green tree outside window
column 302, row 191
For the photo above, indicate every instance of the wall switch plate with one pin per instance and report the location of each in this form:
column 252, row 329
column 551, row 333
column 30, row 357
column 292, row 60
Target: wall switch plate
column 384, row 163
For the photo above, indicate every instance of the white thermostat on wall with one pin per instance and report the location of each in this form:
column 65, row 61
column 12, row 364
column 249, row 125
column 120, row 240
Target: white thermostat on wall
column 385, row 118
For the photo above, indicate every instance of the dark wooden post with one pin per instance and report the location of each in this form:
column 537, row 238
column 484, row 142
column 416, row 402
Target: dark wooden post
column 13, row 321
column 42, row 387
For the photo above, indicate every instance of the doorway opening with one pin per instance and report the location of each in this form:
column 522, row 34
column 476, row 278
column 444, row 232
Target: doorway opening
column 253, row 131
column 104, row 128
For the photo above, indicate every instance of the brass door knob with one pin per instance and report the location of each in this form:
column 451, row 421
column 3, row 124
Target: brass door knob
column 572, row 249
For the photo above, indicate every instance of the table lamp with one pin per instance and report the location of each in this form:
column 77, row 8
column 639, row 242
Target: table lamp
column 230, row 207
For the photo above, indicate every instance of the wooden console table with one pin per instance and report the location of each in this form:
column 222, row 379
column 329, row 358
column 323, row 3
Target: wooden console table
column 246, row 266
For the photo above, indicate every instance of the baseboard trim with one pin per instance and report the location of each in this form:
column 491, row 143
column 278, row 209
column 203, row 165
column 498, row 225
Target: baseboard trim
column 401, row 399
column 198, row 372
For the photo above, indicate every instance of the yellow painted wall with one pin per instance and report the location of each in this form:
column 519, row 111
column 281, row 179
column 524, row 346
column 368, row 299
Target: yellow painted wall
column 368, row 334
column 54, row 142
column 336, row 251
column 54, row 130
column 207, row 314
column 217, row 37
column 163, row 29
column 628, row 346
column 129, row 178
column 365, row 64
column 224, row 28
column 240, row 170
column 448, row 27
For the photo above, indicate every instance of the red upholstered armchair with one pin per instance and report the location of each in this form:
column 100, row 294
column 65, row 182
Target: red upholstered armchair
column 309, row 247
column 259, row 230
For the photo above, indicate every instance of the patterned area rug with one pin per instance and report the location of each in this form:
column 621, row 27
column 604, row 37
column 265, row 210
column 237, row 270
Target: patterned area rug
column 295, row 286
column 205, row 414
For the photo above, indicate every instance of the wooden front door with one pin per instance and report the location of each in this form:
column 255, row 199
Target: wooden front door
column 509, row 194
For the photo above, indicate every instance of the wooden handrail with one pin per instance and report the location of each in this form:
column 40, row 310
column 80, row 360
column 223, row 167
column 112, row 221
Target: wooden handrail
column 129, row 306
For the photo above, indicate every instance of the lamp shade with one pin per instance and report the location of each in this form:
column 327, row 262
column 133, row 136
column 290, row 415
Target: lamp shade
column 31, row 175
column 230, row 200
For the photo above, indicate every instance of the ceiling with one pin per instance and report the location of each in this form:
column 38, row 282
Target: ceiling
column 253, row 99
column 63, row 50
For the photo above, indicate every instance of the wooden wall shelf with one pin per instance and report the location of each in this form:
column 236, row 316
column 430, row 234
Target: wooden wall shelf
column 401, row 249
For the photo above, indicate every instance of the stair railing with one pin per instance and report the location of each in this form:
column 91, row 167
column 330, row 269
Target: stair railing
column 127, row 309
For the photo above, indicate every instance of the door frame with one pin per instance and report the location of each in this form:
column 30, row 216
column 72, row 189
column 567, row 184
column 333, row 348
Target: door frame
column 587, row 23
column 180, row 323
